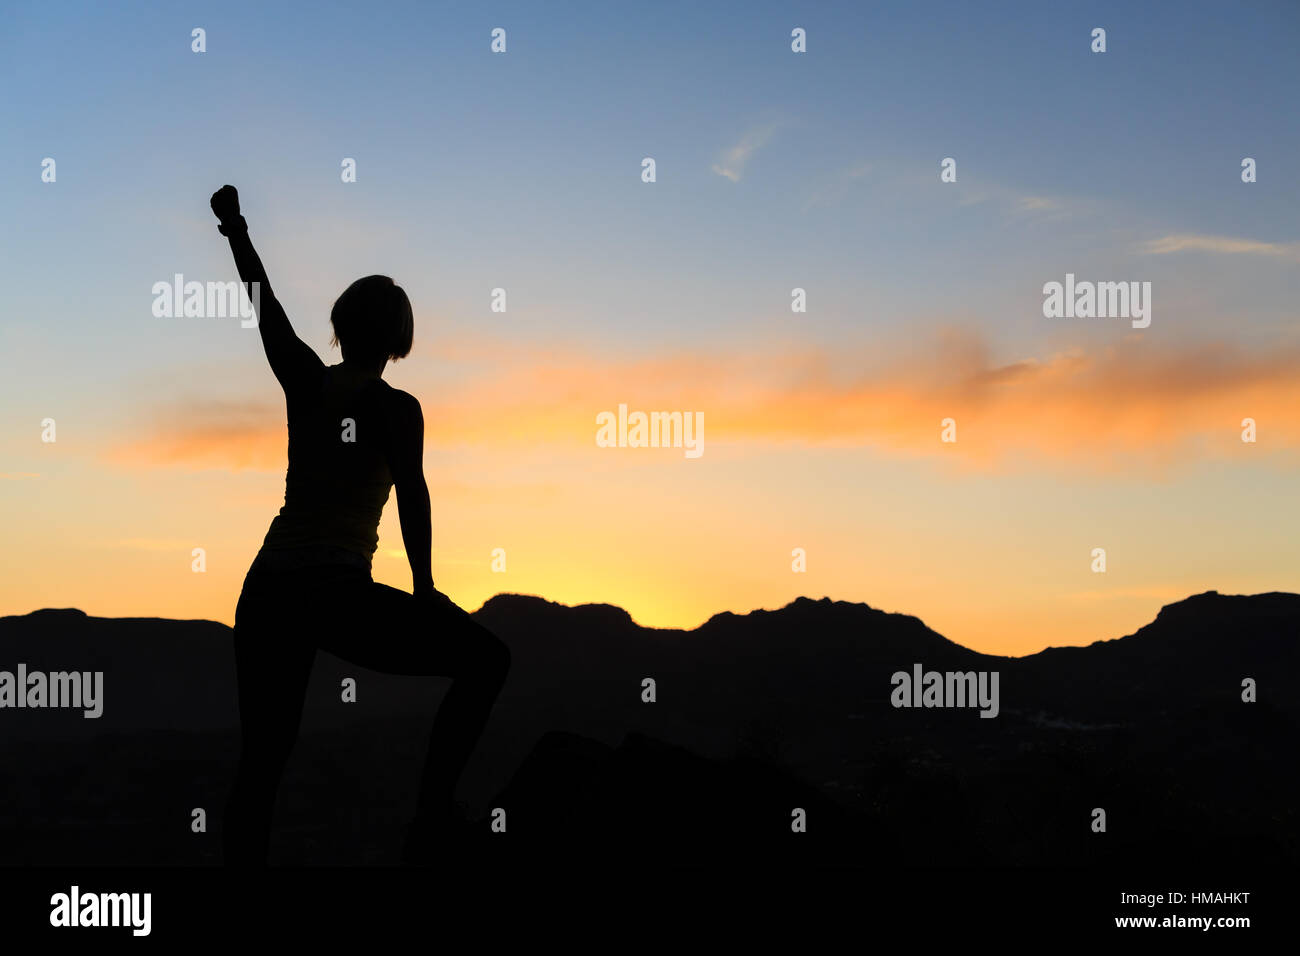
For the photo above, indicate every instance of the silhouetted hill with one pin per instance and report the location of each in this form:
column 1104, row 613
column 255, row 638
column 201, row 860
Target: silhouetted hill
column 752, row 712
column 1195, row 651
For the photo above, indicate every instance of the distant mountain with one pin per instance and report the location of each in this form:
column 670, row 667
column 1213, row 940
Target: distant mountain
column 1196, row 651
column 794, row 702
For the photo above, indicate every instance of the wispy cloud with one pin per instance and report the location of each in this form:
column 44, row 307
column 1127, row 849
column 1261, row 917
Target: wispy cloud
column 836, row 186
column 1047, row 208
column 1129, row 404
column 1018, row 203
column 731, row 163
column 18, row 475
column 209, row 433
column 1036, row 204
column 1224, row 245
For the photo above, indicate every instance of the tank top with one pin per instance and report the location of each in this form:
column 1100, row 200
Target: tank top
column 338, row 479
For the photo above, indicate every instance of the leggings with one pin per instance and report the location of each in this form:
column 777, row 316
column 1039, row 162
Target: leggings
column 284, row 616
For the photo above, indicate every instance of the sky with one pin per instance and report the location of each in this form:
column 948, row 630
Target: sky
column 774, row 170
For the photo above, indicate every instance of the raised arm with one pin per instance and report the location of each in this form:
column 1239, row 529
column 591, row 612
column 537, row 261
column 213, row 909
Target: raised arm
column 405, row 454
column 290, row 357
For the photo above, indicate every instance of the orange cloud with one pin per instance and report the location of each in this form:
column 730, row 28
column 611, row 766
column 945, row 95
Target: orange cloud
column 1122, row 405
column 210, row 433
column 1132, row 399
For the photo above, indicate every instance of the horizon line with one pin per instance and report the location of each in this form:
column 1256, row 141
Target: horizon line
column 683, row 630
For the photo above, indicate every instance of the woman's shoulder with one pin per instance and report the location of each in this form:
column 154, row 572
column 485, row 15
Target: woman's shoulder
column 397, row 402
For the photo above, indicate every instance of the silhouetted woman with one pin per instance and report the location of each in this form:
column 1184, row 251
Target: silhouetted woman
column 352, row 437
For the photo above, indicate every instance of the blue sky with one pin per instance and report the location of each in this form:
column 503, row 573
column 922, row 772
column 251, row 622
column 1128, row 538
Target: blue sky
column 481, row 167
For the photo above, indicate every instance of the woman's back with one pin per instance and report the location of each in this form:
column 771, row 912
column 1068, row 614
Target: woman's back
column 338, row 478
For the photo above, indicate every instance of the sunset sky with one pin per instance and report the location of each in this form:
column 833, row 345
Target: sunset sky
column 775, row 170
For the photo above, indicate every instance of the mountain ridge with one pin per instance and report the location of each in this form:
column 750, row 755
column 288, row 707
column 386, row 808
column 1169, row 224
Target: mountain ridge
column 754, row 713
column 612, row 613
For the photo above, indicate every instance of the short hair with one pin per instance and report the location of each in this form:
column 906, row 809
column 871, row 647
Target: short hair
column 373, row 318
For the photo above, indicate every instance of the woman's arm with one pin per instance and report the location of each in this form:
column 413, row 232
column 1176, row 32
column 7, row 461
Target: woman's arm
column 289, row 355
column 406, row 462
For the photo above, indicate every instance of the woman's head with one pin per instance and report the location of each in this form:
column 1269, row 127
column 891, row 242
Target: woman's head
column 372, row 320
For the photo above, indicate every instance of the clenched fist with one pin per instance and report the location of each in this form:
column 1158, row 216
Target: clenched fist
column 225, row 203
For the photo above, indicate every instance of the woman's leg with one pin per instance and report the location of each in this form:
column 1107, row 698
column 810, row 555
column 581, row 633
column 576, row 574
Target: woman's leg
column 387, row 630
column 273, row 667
